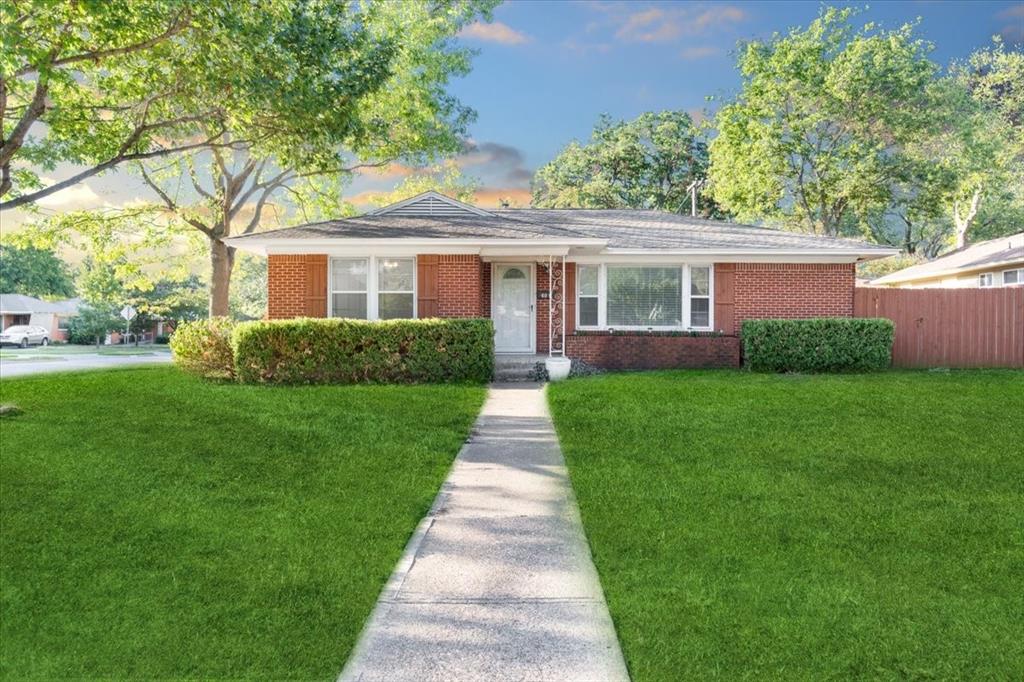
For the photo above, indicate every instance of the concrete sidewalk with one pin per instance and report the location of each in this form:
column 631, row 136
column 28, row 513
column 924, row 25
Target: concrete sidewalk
column 497, row 583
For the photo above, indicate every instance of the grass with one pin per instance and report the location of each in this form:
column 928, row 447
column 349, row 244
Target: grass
column 805, row 527
column 156, row 526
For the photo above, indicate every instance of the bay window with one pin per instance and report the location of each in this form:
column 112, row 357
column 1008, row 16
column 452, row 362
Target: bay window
column 373, row 288
column 628, row 296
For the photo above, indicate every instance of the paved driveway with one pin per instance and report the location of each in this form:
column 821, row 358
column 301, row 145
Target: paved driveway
column 20, row 362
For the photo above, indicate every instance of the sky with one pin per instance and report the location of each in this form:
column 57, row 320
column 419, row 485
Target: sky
column 545, row 71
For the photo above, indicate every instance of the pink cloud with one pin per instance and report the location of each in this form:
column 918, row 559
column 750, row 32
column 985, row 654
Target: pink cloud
column 495, row 32
column 665, row 23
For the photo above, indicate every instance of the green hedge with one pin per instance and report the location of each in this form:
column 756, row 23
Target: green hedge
column 319, row 351
column 203, row 348
column 829, row 344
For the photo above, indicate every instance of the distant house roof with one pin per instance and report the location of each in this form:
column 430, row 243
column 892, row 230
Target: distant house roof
column 986, row 255
column 611, row 231
column 19, row 304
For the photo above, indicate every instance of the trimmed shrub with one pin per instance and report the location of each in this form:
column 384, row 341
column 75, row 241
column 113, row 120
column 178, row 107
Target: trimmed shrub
column 203, row 347
column 828, row 344
column 320, row 351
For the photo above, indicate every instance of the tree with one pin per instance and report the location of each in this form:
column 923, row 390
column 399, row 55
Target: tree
column 646, row 163
column 815, row 139
column 93, row 323
column 981, row 144
column 446, row 178
column 34, row 271
column 102, row 83
column 249, row 295
column 377, row 75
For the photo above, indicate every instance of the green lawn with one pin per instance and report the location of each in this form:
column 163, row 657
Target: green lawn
column 805, row 527
column 156, row 526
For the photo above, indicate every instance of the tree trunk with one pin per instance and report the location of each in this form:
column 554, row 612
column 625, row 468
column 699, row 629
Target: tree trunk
column 222, row 261
column 963, row 222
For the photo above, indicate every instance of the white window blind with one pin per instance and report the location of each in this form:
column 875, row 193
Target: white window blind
column 587, row 284
column 349, row 287
column 700, row 296
column 395, row 281
column 644, row 296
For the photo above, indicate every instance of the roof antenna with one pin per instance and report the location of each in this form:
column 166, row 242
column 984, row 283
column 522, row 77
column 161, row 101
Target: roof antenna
column 692, row 189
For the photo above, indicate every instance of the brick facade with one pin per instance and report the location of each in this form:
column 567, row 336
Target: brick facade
column 460, row 286
column 792, row 290
column 639, row 350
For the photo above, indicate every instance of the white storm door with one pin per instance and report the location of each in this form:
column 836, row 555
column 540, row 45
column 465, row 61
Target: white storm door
column 512, row 308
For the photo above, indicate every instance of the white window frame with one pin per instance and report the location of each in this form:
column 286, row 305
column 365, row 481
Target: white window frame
column 991, row 280
column 602, row 298
column 372, row 290
column 1020, row 277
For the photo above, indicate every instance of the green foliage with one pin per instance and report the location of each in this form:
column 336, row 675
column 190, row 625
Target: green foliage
column 314, row 351
column 829, row 344
column 249, row 289
column 203, row 348
column 302, row 81
column 93, row 323
column 646, row 163
column 34, row 271
column 814, row 140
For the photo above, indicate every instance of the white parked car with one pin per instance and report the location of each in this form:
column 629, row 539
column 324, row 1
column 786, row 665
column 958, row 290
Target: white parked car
column 23, row 335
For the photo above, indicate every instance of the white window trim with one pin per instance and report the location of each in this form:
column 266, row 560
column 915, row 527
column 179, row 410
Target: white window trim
column 372, row 291
column 602, row 299
column 992, row 280
column 1020, row 277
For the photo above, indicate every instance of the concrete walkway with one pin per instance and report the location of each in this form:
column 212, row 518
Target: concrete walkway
column 497, row 583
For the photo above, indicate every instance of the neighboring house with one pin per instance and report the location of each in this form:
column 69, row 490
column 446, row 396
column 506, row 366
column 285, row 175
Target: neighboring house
column 617, row 288
column 995, row 263
column 52, row 315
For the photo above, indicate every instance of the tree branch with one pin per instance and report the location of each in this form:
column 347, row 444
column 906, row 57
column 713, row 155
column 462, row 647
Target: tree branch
column 179, row 23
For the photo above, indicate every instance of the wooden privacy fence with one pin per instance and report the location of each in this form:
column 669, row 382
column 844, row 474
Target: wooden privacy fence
column 950, row 327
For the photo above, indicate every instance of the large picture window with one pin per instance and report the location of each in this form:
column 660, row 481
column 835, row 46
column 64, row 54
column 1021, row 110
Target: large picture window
column 373, row 288
column 644, row 296
column 669, row 297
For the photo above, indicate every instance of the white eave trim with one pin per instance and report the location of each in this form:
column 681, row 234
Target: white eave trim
column 896, row 278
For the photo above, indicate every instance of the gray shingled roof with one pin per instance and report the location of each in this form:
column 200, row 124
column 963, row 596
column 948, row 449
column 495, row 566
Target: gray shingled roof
column 623, row 229
column 972, row 257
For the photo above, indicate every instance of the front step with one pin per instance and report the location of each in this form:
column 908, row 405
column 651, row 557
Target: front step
column 516, row 367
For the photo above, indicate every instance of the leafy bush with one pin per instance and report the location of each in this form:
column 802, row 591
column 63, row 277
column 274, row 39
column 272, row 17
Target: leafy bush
column 92, row 324
column 162, row 339
column 204, row 348
column 829, row 344
column 315, row 351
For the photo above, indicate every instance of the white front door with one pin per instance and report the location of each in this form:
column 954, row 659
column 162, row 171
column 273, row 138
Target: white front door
column 512, row 308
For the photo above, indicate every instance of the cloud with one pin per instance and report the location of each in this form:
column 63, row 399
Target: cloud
column 70, row 198
column 390, row 171
column 1013, row 32
column 495, row 159
column 495, row 32
column 583, row 48
column 492, row 197
column 695, row 52
column 658, row 24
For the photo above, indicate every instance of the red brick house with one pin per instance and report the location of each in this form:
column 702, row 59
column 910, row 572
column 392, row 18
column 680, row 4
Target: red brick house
column 617, row 288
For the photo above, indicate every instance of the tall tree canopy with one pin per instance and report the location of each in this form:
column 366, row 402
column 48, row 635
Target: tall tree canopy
column 34, row 271
column 644, row 163
column 815, row 138
column 285, row 97
column 446, row 178
column 96, row 84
